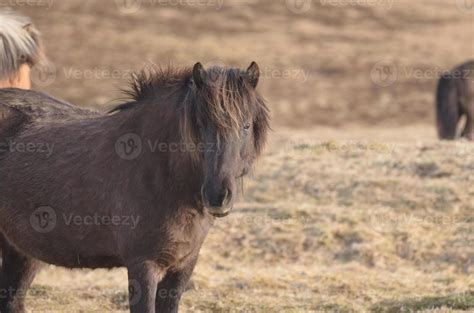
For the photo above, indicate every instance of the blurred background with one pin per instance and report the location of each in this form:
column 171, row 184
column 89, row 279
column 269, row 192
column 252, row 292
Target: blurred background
column 324, row 62
column 355, row 207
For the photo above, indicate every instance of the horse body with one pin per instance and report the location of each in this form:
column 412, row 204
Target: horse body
column 90, row 180
column 455, row 99
column 59, row 207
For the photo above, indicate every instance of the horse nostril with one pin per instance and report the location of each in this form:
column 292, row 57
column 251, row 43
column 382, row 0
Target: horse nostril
column 226, row 192
column 216, row 198
column 227, row 196
column 203, row 195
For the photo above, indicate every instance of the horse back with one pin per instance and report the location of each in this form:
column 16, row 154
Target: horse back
column 20, row 108
column 11, row 121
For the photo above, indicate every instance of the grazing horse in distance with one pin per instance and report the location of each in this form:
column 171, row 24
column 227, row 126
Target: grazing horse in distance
column 138, row 188
column 454, row 100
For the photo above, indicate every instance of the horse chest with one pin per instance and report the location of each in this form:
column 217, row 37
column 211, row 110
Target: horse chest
column 185, row 237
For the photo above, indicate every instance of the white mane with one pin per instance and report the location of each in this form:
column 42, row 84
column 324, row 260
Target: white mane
column 19, row 43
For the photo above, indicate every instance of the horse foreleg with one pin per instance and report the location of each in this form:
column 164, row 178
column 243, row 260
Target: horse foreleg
column 18, row 271
column 143, row 279
column 468, row 129
column 171, row 288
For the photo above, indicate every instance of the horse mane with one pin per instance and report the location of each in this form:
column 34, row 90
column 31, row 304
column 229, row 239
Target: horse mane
column 148, row 83
column 225, row 101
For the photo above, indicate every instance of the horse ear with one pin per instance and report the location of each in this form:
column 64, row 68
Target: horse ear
column 253, row 74
column 199, row 75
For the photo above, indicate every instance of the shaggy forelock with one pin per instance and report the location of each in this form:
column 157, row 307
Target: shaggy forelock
column 227, row 100
column 19, row 43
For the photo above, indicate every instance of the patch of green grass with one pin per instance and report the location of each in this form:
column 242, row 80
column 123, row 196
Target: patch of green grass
column 120, row 300
column 335, row 308
column 463, row 301
column 40, row 290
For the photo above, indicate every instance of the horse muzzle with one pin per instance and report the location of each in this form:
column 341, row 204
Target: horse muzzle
column 217, row 204
column 219, row 211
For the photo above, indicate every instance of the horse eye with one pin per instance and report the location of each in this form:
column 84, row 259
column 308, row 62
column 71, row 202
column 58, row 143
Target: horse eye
column 247, row 126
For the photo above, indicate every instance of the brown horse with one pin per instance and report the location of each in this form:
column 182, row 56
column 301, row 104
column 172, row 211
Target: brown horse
column 139, row 187
column 455, row 99
column 20, row 107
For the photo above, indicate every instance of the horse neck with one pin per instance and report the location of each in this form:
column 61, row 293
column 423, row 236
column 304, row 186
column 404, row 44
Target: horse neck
column 163, row 152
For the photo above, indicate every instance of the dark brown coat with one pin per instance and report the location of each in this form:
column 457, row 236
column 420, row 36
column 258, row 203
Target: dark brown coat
column 455, row 99
column 124, row 166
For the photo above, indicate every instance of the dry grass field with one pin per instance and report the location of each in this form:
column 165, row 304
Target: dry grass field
column 324, row 225
column 355, row 206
